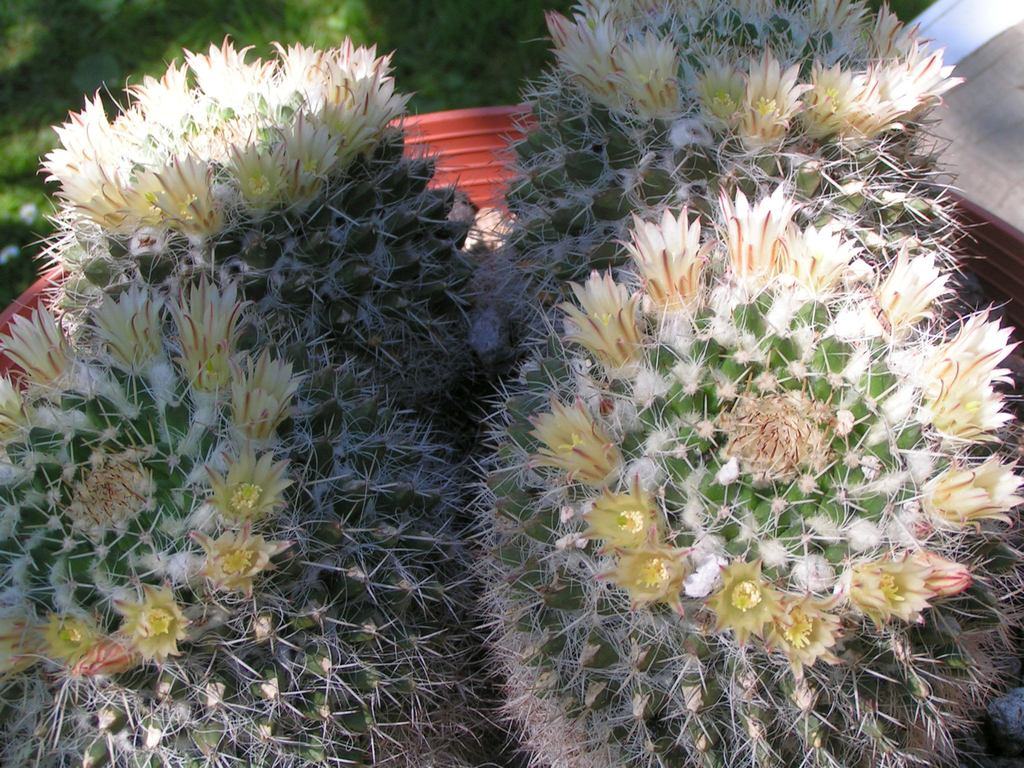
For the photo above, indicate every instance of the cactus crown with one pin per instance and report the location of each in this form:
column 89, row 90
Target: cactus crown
column 286, row 176
column 751, row 506
column 658, row 104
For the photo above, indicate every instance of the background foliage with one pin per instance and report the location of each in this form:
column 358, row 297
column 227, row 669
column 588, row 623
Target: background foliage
column 451, row 53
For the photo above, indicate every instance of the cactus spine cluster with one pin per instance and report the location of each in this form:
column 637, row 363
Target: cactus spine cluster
column 748, row 503
column 288, row 176
column 660, row 104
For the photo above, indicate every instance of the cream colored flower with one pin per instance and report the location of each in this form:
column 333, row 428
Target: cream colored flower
column 845, row 104
column 576, row 444
column 891, row 588
column 607, row 325
column 756, row 234
column 889, row 37
column 252, row 489
column 746, row 604
column 69, row 638
column 168, row 102
column 154, row 625
column 770, row 100
column 913, row 285
column 182, row 191
column 260, row 174
column 131, row 326
column 37, row 346
column 20, row 644
column 914, row 83
column 234, row 560
column 585, row 48
column 12, row 409
column 669, row 257
column 357, row 99
column 652, row 574
column 225, row 76
column 207, row 321
column 946, row 578
column 647, row 75
column 624, row 520
column 721, row 89
column 817, row 258
column 964, row 495
column 959, row 399
column 261, row 396
column 307, row 154
column 804, row 630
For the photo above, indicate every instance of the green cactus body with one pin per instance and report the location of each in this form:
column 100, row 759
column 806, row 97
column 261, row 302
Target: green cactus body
column 289, row 177
column 206, row 560
column 658, row 104
column 724, row 525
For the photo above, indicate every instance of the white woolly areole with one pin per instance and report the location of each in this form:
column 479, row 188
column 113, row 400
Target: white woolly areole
column 688, row 374
column 813, row 573
column 729, row 473
column 780, row 315
column 773, row 553
column 863, row 535
column 898, row 406
column 858, row 271
column 706, row 576
column 687, row 131
column 648, row 384
column 657, row 441
column 645, row 471
column 164, row 380
column 676, row 331
column 823, row 526
column 920, row 464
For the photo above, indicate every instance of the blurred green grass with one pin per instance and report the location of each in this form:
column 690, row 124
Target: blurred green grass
column 450, row 53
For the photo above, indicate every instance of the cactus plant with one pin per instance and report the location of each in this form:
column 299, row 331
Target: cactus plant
column 751, row 508
column 205, row 560
column 288, row 176
column 655, row 105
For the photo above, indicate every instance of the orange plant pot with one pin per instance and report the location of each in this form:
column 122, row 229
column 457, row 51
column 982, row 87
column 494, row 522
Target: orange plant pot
column 471, row 151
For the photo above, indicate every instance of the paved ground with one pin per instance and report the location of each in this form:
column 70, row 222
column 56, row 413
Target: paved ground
column 984, row 118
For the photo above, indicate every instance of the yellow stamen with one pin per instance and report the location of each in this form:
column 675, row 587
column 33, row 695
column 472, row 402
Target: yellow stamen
column 631, row 520
column 746, row 595
column 798, row 634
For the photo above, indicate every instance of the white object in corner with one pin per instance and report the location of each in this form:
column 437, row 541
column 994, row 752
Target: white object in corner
column 963, row 26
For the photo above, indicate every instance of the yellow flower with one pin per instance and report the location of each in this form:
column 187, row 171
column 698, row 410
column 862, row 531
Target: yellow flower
column 576, row 444
column 261, row 396
column 607, row 325
column 154, row 625
column 756, row 234
column 653, row 574
column 624, row 520
column 891, row 588
column 721, row 89
column 207, row 321
column 647, row 75
column 669, row 257
column 771, row 99
column 906, row 296
column 20, row 644
column 131, row 327
column 252, row 489
column 817, row 258
column 37, row 346
column 745, row 603
column 959, row 398
column 233, row 560
column 804, row 630
column 69, row 638
column 964, row 495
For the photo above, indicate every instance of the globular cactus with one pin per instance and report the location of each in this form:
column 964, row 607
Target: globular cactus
column 205, row 559
column 751, row 507
column 660, row 104
column 288, row 176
